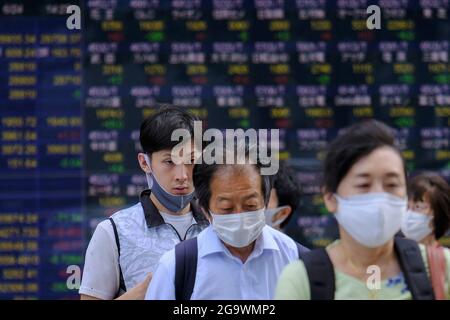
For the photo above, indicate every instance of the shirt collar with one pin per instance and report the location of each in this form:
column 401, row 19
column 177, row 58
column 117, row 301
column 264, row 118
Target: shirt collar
column 211, row 243
column 154, row 218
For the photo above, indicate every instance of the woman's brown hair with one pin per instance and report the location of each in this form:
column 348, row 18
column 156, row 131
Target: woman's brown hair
column 437, row 191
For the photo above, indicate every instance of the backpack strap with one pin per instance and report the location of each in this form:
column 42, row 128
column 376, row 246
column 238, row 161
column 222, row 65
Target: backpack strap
column 413, row 267
column 301, row 249
column 320, row 273
column 437, row 266
column 185, row 268
column 122, row 287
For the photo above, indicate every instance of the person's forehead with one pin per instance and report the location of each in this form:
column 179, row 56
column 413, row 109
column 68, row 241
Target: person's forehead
column 236, row 178
column 235, row 170
column 382, row 160
column 191, row 149
column 161, row 154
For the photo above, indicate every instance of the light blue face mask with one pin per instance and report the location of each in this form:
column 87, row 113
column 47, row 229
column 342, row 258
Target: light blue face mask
column 173, row 202
column 372, row 219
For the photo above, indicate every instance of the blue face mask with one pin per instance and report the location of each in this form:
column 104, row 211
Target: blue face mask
column 172, row 202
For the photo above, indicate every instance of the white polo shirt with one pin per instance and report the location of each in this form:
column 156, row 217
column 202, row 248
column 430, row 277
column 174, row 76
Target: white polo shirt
column 144, row 236
column 222, row 276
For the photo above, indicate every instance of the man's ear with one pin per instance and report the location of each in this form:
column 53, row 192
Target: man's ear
column 143, row 164
column 283, row 214
column 330, row 201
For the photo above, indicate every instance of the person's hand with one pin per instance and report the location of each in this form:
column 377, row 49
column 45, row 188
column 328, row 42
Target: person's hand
column 138, row 292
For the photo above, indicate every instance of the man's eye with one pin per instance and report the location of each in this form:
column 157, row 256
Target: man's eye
column 168, row 162
column 363, row 186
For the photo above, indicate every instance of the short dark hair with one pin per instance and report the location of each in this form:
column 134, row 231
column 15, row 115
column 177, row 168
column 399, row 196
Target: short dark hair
column 356, row 142
column 203, row 174
column 287, row 188
column 156, row 130
column 438, row 192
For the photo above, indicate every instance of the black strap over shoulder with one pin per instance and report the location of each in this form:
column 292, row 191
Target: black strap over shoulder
column 185, row 268
column 122, row 286
column 301, row 249
column 413, row 267
column 320, row 273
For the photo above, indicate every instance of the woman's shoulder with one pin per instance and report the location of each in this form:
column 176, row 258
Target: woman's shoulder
column 293, row 283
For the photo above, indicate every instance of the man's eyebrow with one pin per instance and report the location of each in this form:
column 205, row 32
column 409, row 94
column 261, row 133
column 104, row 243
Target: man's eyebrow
column 222, row 198
column 253, row 195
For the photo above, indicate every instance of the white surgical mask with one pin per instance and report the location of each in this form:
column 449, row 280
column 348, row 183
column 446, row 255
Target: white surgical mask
column 372, row 219
column 269, row 213
column 239, row 229
column 416, row 225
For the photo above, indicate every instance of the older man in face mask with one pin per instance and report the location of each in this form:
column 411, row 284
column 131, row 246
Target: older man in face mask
column 238, row 256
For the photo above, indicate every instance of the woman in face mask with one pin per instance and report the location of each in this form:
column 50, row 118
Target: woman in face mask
column 427, row 220
column 365, row 188
column 428, row 216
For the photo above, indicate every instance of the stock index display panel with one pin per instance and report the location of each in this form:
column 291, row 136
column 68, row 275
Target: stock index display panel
column 71, row 103
column 41, row 148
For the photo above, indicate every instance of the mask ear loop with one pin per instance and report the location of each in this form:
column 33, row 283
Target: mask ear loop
column 149, row 176
column 268, row 188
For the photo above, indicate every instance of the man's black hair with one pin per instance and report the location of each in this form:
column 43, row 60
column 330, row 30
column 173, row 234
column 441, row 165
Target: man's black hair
column 287, row 188
column 203, row 174
column 156, row 130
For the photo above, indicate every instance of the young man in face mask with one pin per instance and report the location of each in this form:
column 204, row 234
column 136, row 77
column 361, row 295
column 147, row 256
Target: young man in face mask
column 238, row 256
column 284, row 198
column 125, row 249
